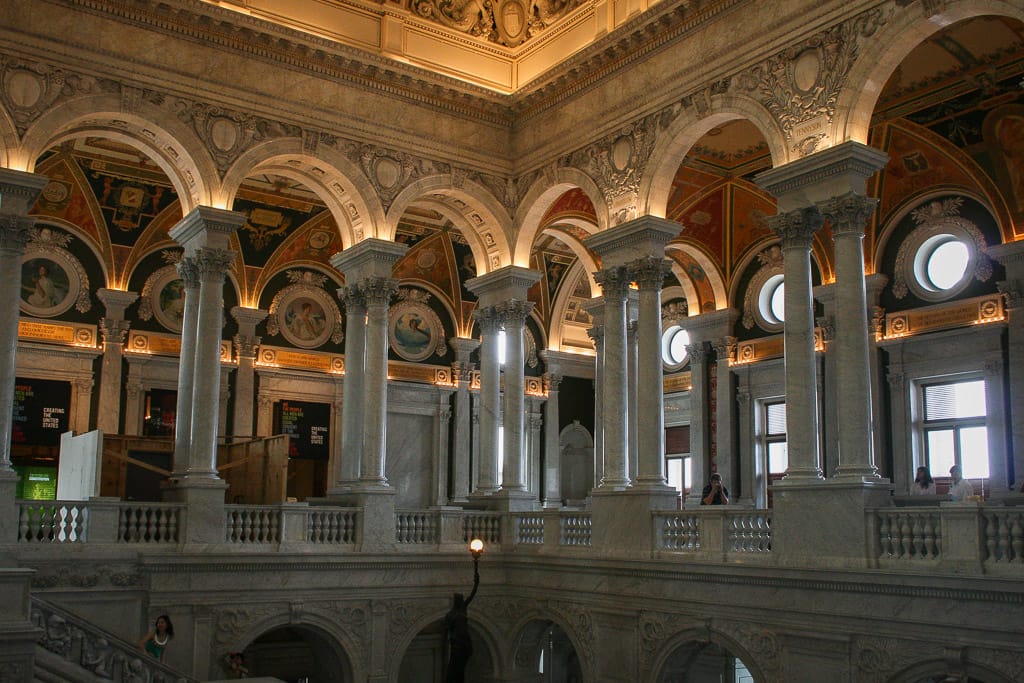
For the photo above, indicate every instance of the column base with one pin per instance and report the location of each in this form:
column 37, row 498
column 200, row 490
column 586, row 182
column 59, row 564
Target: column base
column 8, row 509
column 511, row 500
column 625, row 521
column 824, row 524
column 204, row 500
column 863, row 475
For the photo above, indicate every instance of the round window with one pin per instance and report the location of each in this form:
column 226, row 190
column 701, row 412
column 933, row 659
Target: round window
column 771, row 300
column 673, row 347
column 941, row 263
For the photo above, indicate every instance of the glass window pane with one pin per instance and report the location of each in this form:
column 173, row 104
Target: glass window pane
column 974, row 452
column 675, row 473
column 776, row 414
column 677, row 347
column 941, row 455
column 778, row 457
column 947, row 264
column 687, row 475
column 953, row 401
column 778, row 307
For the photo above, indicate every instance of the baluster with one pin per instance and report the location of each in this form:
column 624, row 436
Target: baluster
column 1004, row 537
column 1017, row 539
column 246, row 521
column 905, row 536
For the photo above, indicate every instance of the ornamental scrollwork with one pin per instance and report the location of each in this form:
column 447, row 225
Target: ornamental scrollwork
column 28, row 89
column 616, row 162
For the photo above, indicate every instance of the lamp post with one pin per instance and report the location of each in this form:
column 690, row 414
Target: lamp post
column 476, row 549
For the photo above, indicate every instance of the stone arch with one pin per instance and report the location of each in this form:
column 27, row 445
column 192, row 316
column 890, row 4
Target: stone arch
column 349, row 196
column 96, row 249
column 685, row 131
column 489, row 636
column 485, row 222
column 714, row 273
column 171, row 144
column 8, row 138
column 736, row 296
column 541, row 196
column 311, row 621
column 938, row 667
column 576, row 447
column 556, row 331
column 539, row 620
column 716, row 637
column 883, row 52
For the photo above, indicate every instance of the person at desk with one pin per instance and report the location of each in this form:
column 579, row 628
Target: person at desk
column 715, row 492
column 923, row 484
column 959, row 488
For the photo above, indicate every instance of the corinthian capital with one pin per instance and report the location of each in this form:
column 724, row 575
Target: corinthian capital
column 649, row 273
column 514, row 312
column 795, row 228
column 378, row 290
column 15, row 232
column 614, row 282
column 213, row 262
column 848, row 213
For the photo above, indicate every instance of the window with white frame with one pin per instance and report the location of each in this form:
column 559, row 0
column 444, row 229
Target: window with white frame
column 775, row 446
column 677, row 468
column 953, row 427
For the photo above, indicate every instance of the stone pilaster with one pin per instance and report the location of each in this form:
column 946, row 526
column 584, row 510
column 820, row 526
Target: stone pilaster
column 502, row 294
column 632, row 417
column 848, row 215
column 114, row 329
column 727, row 459
column 246, row 346
column 874, row 285
column 1011, row 256
column 552, row 496
column 700, row 435
column 830, row 387
column 462, row 372
column 595, row 307
column 18, row 193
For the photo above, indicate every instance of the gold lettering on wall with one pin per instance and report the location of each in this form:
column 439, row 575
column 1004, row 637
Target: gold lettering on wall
column 46, row 332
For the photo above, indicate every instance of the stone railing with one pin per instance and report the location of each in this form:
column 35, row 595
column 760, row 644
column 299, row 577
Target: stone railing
column 552, row 528
column 714, row 533
column 290, row 524
column 432, row 528
column 93, row 652
column 98, row 521
column 959, row 537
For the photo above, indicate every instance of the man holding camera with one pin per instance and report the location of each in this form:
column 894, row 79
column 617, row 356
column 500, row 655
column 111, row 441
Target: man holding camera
column 715, row 493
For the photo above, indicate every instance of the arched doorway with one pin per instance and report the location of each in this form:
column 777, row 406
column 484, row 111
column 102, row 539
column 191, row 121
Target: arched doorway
column 544, row 654
column 704, row 662
column 425, row 658
column 296, row 654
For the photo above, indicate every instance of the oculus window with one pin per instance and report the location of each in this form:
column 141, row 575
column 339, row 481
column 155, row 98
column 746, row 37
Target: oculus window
column 673, row 348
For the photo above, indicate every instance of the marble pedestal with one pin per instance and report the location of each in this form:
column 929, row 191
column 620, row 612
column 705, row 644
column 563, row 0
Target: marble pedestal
column 377, row 521
column 625, row 521
column 823, row 524
column 204, row 521
column 512, row 501
column 8, row 508
column 18, row 635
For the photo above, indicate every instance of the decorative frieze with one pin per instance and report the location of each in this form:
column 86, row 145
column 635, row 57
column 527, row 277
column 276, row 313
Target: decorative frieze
column 982, row 309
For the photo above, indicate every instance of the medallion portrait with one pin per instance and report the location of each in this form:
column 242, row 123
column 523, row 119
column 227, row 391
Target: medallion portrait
column 46, row 289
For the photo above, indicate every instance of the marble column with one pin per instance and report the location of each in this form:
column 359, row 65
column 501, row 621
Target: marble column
column 632, row 416
column 1011, row 256
column 552, row 496
column 700, row 434
column 114, row 329
column 649, row 274
column 796, row 229
column 595, row 307
column 490, row 401
column 727, row 458
column 513, row 316
column 848, row 215
column 462, row 372
column 829, row 378
column 18, row 193
column 189, row 275
column 368, row 266
column 875, row 284
column 534, row 423
column 502, row 294
column 442, row 438
column 205, row 234
column 346, row 468
column 377, row 292
column 246, row 346
column 614, row 284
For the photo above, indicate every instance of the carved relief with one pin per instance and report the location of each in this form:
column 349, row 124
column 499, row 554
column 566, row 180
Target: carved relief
column 616, row 162
column 233, row 622
column 800, row 85
column 304, row 313
column 28, row 89
column 506, row 22
column 389, row 171
column 761, row 643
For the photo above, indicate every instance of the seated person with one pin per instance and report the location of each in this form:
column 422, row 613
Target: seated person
column 959, row 488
